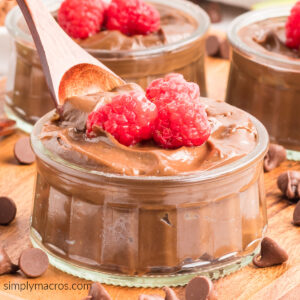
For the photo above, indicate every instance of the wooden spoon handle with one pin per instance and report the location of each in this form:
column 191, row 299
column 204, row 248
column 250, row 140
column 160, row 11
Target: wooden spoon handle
column 59, row 54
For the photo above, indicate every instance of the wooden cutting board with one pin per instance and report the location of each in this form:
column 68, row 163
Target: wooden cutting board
column 280, row 282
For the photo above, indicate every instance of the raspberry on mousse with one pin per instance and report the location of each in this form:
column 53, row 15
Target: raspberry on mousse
column 182, row 119
column 129, row 118
column 181, row 122
column 174, row 118
column 81, row 18
column 292, row 27
column 132, row 17
column 172, row 84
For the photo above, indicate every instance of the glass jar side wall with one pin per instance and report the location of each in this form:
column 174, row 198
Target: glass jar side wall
column 27, row 97
column 273, row 98
column 164, row 231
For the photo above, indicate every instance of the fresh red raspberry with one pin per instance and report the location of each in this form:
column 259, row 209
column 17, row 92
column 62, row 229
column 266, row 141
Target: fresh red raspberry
column 171, row 85
column 132, row 17
column 292, row 27
column 181, row 121
column 129, row 117
column 81, row 18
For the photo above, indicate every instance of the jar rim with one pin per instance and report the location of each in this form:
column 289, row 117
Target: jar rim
column 53, row 159
column 188, row 7
column 250, row 18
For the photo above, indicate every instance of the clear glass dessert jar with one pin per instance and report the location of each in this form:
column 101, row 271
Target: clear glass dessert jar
column 146, row 230
column 265, row 85
column 28, row 99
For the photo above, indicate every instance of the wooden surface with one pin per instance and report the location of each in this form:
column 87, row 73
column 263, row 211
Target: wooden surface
column 280, row 282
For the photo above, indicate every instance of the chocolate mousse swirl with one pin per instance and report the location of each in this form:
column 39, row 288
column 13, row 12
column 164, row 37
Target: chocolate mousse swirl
column 233, row 136
column 268, row 35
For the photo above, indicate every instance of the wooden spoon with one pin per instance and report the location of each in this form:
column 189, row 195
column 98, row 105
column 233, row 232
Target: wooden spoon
column 69, row 70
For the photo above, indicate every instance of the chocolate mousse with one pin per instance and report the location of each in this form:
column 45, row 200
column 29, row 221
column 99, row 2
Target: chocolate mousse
column 233, row 137
column 27, row 93
column 175, row 26
column 268, row 36
column 152, row 221
column 264, row 74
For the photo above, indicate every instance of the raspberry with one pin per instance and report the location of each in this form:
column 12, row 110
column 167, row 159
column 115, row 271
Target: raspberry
column 132, row 17
column 81, row 18
column 292, row 27
column 129, row 117
column 181, row 121
column 171, row 85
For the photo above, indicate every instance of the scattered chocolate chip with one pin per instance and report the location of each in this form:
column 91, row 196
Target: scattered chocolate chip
column 275, row 156
column 296, row 215
column 212, row 45
column 23, row 152
column 271, row 254
column 214, row 12
column 224, row 49
column 170, row 294
column 200, row 288
column 33, row 262
column 150, row 297
column 289, row 184
column 97, row 292
column 8, row 210
column 6, row 266
column 7, row 127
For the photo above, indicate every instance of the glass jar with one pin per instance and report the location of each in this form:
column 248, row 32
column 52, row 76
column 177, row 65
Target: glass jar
column 28, row 98
column 265, row 85
column 148, row 231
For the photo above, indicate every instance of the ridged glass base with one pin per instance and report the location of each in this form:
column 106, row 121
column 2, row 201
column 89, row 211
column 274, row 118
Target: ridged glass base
column 21, row 124
column 213, row 271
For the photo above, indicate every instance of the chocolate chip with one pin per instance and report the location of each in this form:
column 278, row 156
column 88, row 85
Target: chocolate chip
column 8, row 210
column 33, row 262
column 270, row 254
column 98, row 292
column 200, row 288
column 6, row 266
column 150, row 297
column 275, row 156
column 289, row 184
column 214, row 12
column 7, row 127
column 212, row 45
column 224, row 49
column 170, row 294
column 23, row 152
column 296, row 215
